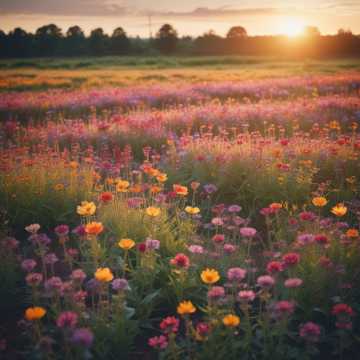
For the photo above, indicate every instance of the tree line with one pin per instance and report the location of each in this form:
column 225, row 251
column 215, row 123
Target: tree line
column 50, row 41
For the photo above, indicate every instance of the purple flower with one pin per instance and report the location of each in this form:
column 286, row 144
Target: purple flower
column 40, row 239
column 83, row 337
column 210, row 188
column 28, row 265
column 120, row 285
column 54, row 285
column 50, row 259
column 305, row 239
column 79, row 230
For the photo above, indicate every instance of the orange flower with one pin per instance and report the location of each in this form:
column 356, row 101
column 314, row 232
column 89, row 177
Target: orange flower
column 339, row 210
column 122, row 186
column 210, row 276
column 180, row 190
column 275, row 206
column 186, row 307
column 231, row 320
column 352, row 233
column 155, row 189
column 161, row 177
column 126, row 244
column 135, row 188
column 319, row 201
column 94, row 228
column 103, row 275
column 34, row 313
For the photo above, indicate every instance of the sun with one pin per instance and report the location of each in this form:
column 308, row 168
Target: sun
column 292, row 27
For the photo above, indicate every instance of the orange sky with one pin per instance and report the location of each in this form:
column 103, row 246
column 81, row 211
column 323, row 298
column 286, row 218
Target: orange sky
column 189, row 17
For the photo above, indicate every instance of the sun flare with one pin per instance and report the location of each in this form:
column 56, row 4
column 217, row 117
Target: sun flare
column 292, row 27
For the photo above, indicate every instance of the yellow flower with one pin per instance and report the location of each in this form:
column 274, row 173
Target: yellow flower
column 231, row 320
column 339, row 210
column 122, row 186
column 86, row 208
column 352, row 233
column 126, row 244
column 210, row 276
column 319, row 201
column 162, row 177
column 180, row 190
column 186, row 307
column 192, row 210
column 153, row 211
column 94, row 228
column 34, row 313
column 103, row 275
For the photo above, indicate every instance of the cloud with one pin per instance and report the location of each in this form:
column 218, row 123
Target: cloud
column 64, row 8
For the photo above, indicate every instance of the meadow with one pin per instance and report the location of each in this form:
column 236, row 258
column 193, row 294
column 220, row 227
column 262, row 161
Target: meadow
column 179, row 208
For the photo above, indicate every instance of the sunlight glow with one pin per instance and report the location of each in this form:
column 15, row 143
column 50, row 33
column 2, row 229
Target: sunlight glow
column 293, row 27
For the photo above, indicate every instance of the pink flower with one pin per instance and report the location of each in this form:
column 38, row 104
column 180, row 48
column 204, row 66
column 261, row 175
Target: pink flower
column 158, row 342
column 248, row 232
column 196, row 249
column 217, row 221
column 218, row 238
column 310, row 332
column 284, row 307
column 216, row 292
column 293, row 283
column 236, row 274
column 246, row 295
column 67, row 319
column 265, row 281
column 229, row 248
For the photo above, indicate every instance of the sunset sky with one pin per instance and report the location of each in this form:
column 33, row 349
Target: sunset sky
column 190, row 17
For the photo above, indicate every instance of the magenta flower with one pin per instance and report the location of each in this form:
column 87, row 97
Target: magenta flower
column 67, row 319
column 158, row 342
column 310, row 332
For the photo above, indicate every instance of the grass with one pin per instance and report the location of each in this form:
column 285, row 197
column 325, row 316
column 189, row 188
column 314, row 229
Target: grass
column 69, row 73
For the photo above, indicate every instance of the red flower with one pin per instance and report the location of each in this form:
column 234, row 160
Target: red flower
column 181, row 261
column 342, row 309
column 321, row 239
column 106, row 196
column 170, row 325
column 291, row 259
column 274, row 267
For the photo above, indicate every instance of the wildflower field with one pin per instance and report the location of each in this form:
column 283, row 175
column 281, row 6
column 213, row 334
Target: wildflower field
column 209, row 214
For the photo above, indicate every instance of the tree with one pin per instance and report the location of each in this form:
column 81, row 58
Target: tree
column 209, row 43
column 75, row 42
column 166, row 39
column 312, row 31
column 48, row 38
column 119, row 42
column 19, row 42
column 237, row 32
column 345, row 33
column 98, row 42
